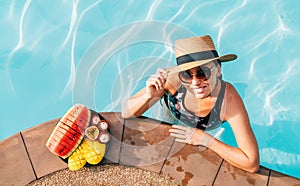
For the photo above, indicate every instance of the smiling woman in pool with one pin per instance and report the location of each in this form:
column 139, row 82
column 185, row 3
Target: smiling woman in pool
column 196, row 95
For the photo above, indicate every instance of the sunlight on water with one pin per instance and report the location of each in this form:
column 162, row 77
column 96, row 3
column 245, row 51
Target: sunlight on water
column 98, row 52
column 71, row 80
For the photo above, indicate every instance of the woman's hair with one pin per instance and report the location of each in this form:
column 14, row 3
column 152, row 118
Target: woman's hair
column 218, row 62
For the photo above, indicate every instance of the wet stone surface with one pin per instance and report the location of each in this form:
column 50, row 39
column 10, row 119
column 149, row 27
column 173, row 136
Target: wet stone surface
column 191, row 166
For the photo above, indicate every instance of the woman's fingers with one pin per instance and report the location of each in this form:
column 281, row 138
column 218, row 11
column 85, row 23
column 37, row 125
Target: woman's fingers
column 177, row 131
column 160, row 81
column 180, row 137
column 191, row 135
column 157, row 81
column 181, row 140
column 180, row 127
column 176, row 135
column 154, row 82
column 162, row 72
column 182, row 134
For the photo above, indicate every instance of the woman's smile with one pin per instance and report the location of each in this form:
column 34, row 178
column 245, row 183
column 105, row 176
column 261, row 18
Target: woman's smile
column 198, row 90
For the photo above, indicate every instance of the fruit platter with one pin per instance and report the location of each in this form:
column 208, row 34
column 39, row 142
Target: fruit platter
column 80, row 137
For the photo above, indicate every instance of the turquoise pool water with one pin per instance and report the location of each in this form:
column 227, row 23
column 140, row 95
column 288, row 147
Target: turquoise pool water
column 57, row 53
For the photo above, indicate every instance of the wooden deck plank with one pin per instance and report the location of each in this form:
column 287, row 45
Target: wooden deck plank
column 15, row 165
column 192, row 165
column 35, row 138
column 278, row 179
column 145, row 144
column 230, row 175
column 116, row 123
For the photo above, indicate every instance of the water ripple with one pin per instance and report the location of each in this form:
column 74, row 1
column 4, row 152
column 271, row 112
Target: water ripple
column 152, row 10
column 280, row 31
column 11, row 9
column 20, row 43
column 222, row 24
column 69, row 86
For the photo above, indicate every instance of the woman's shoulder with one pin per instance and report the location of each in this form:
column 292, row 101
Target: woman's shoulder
column 232, row 100
column 230, row 90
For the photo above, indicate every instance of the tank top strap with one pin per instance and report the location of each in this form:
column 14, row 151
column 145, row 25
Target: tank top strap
column 220, row 98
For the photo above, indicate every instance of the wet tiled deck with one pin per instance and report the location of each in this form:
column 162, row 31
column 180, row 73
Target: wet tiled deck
column 142, row 142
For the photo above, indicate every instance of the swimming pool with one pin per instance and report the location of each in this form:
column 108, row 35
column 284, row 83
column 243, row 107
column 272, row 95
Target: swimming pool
column 57, row 53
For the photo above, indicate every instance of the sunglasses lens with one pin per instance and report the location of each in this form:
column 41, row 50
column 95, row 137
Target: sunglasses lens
column 203, row 73
column 185, row 76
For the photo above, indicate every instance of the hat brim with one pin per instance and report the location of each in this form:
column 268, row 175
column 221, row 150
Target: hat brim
column 189, row 65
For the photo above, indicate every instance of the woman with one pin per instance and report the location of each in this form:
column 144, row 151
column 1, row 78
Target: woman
column 196, row 95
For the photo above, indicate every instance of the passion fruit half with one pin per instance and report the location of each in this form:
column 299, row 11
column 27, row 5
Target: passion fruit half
column 92, row 132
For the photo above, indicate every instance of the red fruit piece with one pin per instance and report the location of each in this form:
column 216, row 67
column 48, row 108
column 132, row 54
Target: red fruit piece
column 69, row 131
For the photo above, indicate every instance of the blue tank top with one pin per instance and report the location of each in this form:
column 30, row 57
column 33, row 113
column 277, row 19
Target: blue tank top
column 176, row 105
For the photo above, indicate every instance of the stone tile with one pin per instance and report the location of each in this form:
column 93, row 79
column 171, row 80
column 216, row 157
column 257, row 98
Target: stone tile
column 35, row 138
column 116, row 122
column 278, row 179
column 146, row 144
column 230, row 175
column 15, row 165
column 191, row 165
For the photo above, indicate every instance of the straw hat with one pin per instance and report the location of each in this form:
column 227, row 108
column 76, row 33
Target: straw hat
column 196, row 51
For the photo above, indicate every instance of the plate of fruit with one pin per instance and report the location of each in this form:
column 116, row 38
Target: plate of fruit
column 80, row 137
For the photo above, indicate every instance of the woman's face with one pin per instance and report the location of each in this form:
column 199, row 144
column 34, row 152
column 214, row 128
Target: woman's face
column 197, row 83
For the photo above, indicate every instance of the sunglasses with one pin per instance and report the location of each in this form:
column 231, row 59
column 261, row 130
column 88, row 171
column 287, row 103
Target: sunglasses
column 203, row 73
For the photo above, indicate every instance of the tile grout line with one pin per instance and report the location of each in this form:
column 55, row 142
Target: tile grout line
column 269, row 177
column 160, row 171
column 123, row 130
column 217, row 172
column 28, row 156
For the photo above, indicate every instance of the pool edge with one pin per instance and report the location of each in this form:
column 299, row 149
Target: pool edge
column 32, row 160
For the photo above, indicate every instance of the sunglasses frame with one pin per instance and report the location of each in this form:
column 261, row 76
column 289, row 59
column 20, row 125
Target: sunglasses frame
column 206, row 72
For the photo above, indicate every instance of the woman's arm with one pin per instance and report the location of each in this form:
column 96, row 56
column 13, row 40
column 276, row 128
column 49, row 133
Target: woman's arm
column 140, row 103
column 246, row 155
column 145, row 98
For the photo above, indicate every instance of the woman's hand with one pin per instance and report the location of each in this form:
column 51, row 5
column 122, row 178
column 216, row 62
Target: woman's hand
column 190, row 135
column 155, row 88
column 156, row 83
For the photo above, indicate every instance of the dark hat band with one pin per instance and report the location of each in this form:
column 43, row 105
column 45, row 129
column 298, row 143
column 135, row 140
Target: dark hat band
column 197, row 56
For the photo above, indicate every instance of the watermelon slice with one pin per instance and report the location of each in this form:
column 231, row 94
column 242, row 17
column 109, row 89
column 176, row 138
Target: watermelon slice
column 59, row 147
column 69, row 131
column 78, row 117
column 72, row 130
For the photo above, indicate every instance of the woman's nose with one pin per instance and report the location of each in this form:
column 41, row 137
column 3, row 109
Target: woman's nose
column 196, row 80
